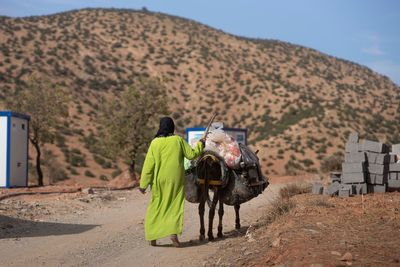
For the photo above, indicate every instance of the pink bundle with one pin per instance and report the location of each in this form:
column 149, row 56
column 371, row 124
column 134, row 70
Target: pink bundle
column 223, row 144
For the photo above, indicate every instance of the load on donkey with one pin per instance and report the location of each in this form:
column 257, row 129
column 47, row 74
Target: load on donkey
column 231, row 170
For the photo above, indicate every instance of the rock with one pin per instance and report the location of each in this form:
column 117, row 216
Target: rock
column 336, row 253
column 125, row 179
column 89, row 191
column 250, row 239
column 247, row 253
column 276, row 242
column 347, row 257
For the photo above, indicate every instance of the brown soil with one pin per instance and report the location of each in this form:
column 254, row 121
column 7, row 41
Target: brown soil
column 317, row 230
column 321, row 230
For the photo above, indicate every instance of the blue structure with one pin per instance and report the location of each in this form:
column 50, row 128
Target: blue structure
column 194, row 134
column 14, row 134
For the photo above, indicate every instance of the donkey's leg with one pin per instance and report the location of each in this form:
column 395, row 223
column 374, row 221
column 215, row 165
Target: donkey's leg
column 211, row 216
column 201, row 214
column 220, row 214
column 237, row 221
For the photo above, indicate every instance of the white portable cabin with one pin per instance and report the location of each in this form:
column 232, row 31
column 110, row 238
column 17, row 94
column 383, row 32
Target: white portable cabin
column 14, row 130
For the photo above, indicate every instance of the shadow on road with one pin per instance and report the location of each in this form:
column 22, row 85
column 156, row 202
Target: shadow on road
column 17, row 228
column 195, row 242
column 185, row 244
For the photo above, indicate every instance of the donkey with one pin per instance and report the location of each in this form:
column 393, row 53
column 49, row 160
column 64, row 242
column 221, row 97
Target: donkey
column 230, row 186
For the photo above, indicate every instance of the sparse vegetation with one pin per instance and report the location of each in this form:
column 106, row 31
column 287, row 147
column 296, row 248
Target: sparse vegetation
column 276, row 90
column 129, row 122
column 46, row 104
column 89, row 174
column 332, row 163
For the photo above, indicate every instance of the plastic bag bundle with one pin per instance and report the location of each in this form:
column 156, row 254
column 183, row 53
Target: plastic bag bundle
column 225, row 146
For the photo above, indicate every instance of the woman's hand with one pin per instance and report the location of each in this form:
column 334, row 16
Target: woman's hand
column 203, row 141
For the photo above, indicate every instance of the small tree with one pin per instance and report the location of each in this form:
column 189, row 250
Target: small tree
column 46, row 104
column 129, row 122
column 332, row 163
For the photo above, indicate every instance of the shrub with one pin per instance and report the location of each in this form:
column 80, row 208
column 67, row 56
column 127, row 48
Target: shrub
column 54, row 168
column 116, row 173
column 293, row 168
column 89, row 174
column 103, row 177
column 283, row 203
column 307, row 162
column 73, row 171
column 294, row 189
column 322, row 202
column 76, row 160
column 60, row 141
column 332, row 163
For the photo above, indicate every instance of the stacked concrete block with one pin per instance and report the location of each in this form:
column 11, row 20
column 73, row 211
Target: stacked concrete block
column 393, row 181
column 376, row 147
column 332, row 189
column 360, row 189
column 396, row 149
column 368, row 167
column 376, row 188
column 378, row 160
column 346, row 190
column 317, row 188
column 354, row 167
column 336, row 177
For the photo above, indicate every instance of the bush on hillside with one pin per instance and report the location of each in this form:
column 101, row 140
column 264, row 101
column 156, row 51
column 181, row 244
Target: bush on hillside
column 332, row 163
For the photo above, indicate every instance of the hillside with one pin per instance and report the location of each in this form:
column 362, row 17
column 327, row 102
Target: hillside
column 297, row 103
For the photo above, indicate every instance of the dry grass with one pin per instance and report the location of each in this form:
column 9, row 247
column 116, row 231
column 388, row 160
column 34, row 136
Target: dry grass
column 283, row 203
column 322, row 202
column 294, row 189
column 319, row 230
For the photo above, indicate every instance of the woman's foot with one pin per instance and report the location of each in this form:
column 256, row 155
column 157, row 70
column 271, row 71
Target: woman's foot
column 175, row 241
column 153, row 243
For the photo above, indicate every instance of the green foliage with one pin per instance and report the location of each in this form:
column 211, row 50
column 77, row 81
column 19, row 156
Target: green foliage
column 332, row 163
column 102, row 162
column 307, row 162
column 129, row 122
column 73, row 171
column 89, row 174
column 103, row 177
column 46, row 104
column 55, row 170
column 292, row 117
column 293, row 168
column 116, row 173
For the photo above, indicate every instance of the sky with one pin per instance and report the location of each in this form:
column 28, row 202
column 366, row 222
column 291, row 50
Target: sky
column 363, row 31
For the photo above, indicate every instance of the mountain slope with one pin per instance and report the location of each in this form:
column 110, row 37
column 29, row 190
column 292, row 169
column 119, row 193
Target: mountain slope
column 297, row 103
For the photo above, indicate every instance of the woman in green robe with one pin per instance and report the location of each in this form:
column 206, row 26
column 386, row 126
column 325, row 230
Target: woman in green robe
column 163, row 170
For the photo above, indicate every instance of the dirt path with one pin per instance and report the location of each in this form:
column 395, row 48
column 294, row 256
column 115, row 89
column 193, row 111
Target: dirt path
column 112, row 235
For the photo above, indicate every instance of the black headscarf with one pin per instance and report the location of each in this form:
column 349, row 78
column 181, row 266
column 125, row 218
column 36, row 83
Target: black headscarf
column 167, row 127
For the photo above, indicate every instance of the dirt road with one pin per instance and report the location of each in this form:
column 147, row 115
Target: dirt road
column 112, row 235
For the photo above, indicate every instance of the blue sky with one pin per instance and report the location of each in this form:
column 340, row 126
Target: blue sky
column 362, row 31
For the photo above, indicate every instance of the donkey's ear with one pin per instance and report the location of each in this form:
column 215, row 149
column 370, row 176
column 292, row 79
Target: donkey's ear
column 257, row 151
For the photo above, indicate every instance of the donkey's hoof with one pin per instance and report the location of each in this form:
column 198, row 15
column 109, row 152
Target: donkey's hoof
column 210, row 238
column 237, row 226
column 220, row 235
column 202, row 237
